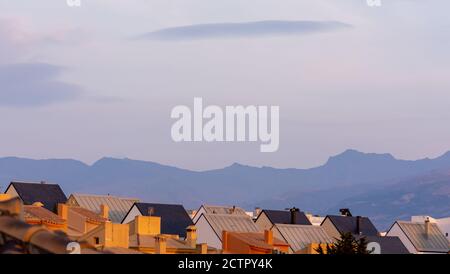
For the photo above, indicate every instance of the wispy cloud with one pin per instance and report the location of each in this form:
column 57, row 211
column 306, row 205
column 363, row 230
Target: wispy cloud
column 244, row 30
column 34, row 84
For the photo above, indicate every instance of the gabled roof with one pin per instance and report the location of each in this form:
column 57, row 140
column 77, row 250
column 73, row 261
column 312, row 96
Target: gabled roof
column 231, row 223
column 41, row 214
column 118, row 206
column 284, row 217
column 435, row 241
column 48, row 194
column 299, row 236
column 212, row 209
column 88, row 214
column 388, row 244
column 345, row 224
column 256, row 239
column 174, row 218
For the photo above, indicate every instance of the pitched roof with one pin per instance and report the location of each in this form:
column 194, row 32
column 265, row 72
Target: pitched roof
column 48, row 194
column 118, row 206
column 284, row 217
column 435, row 241
column 299, row 236
column 345, row 224
column 41, row 214
column 231, row 223
column 88, row 214
column 388, row 244
column 211, row 209
column 174, row 218
column 256, row 239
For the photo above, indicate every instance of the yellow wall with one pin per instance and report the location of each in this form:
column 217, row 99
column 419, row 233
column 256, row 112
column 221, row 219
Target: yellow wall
column 147, row 225
column 4, row 197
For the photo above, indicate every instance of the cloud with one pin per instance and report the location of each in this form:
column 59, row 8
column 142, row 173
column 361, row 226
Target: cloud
column 34, row 84
column 244, row 30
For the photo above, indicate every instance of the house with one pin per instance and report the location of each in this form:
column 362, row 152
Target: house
column 388, row 244
column 210, row 227
column 81, row 220
column 301, row 238
column 174, row 218
column 335, row 225
column 268, row 218
column 107, row 235
column 442, row 223
column 252, row 243
column 420, row 238
column 212, row 209
column 50, row 195
column 145, row 236
column 36, row 214
column 118, row 206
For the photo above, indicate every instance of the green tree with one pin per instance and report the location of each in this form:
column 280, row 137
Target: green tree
column 347, row 244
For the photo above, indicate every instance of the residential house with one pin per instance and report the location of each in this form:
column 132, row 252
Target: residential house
column 174, row 218
column 145, row 236
column 302, row 238
column 118, row 206
column 420, row 238
column 50, row 195
column 268, row 218
column 443, row 223
column 387, row 244
column 212, row 209
column 210, row 227
column 36, row 214
column 336, row 225
column 81, row 220
column 252, row 243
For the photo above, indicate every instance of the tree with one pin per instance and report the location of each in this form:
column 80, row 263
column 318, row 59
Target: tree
column 347, row 244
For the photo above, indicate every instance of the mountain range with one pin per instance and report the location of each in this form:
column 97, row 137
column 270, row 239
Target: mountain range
column 374, row 185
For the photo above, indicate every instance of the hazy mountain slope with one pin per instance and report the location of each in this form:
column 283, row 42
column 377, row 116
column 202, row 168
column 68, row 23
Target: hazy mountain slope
column 320, row 189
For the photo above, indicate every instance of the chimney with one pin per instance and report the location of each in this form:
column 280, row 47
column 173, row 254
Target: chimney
column 257, row 212
column 43, row 182
column 358, row 225
column 268, row 237
column 151, row 211
column 427, row 227
column 224, row 240
column 63, row 211
column 202, row 249
column 345, row 212
column 233, row 210
column 191, row 235
column 161, row 244
column 104, row 211
column 294, row 212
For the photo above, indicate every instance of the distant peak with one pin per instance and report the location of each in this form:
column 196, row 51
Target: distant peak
column 352, row 155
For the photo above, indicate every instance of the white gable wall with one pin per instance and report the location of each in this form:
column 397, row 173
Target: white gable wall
column 199, row 213
column 134, row 211
column 206, row 234
column 397, row 231
column 12, row 192
column 263, row 222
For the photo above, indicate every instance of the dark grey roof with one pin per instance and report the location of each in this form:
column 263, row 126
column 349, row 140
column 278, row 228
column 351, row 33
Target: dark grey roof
column 388, row 244
column 345, row 224
column 284, row 217
column 48, row 194
column 174, row 218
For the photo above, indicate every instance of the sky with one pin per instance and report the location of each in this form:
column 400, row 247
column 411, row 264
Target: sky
column 100, row 80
